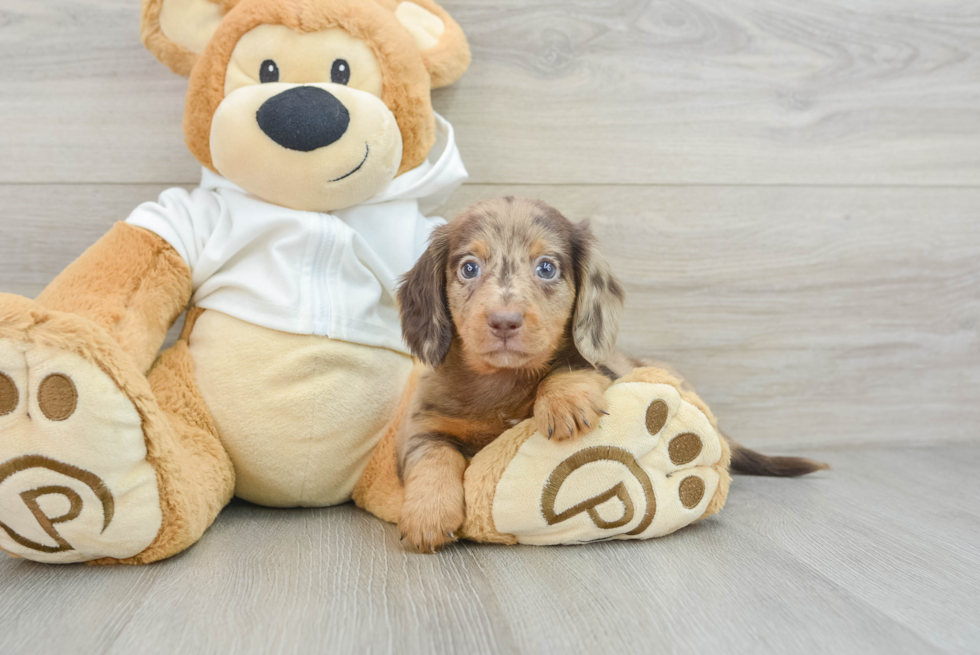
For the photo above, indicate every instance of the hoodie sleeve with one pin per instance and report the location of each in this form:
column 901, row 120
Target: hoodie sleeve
column 185, row 220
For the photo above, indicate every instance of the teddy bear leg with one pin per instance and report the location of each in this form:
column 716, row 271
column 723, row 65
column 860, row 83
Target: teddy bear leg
column 655, row 464
column 92, row 466
column 194, row 472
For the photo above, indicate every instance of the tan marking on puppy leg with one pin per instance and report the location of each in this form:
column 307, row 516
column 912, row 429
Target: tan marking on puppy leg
column 569, row 404
column 448, row 425
column 434, row 508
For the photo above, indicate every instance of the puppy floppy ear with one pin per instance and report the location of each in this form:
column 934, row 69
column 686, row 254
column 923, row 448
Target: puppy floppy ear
column 423, row 305
column 444, row 48
column 598, row 298
column 176, row 31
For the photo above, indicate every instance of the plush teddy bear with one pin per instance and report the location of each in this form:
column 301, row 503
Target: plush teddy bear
column 322, row 157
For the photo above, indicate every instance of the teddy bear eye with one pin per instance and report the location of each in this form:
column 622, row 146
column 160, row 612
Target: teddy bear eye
column 268, row 71
column 340, row 72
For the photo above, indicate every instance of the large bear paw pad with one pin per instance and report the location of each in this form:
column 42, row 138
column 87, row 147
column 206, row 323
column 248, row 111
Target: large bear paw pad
column 74, row 481
column 651, row 467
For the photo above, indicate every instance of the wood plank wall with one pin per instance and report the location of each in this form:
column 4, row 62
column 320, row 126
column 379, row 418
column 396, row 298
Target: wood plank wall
column 789, row 190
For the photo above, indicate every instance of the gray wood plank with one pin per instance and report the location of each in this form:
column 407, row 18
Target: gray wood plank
column 83, row 100
column 802, row 315
column 686, row 92
column 898, row 543
column 833, row 563
column 45, row 227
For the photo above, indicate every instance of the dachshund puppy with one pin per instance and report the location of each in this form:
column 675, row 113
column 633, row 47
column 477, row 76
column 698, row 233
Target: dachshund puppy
column 515, row 310
column 516, row 313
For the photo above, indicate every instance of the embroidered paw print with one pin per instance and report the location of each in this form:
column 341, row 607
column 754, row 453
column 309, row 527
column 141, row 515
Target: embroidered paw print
column 651, row 467
column 74, row 481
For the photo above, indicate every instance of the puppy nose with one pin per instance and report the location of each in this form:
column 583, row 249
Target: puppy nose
column 505, row 324
column 303, row 118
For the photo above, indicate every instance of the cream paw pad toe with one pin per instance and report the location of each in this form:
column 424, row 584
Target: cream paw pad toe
column 74, row 481
column 655, row 464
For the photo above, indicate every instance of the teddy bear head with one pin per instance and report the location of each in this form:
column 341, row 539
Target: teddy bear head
column 311, row 104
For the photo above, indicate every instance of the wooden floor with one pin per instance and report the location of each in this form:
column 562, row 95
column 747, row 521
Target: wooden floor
column 790, row 192
column 879, row 555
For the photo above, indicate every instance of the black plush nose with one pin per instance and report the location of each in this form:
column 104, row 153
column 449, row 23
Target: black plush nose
column 303, row 118
column 505, row 324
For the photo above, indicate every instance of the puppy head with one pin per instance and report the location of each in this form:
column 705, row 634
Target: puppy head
column 510, row 277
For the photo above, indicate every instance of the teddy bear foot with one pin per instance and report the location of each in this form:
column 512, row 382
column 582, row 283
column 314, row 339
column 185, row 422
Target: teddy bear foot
column 75, row 483
column 656, row 464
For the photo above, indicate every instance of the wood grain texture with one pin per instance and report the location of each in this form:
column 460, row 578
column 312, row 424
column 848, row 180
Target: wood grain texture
column 616, row 91
column 878, row 555
column 803, row 316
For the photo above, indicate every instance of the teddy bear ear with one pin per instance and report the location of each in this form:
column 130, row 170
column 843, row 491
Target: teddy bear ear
column 176, row 31
column 444, row 48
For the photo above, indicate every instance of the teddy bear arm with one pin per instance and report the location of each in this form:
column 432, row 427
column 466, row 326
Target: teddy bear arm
column 132, row 283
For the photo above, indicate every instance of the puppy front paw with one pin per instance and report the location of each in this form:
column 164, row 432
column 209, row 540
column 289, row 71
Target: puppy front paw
column 568, row 409
column 429, row 522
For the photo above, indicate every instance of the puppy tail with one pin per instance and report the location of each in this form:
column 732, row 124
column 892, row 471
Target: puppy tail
column 748, row 462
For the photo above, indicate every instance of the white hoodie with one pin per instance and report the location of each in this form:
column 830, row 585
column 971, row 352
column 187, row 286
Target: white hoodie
column 305, row 272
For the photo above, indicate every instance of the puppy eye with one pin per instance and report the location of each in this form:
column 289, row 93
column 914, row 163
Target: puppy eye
column 268, row 71
column 546, row 269
column 340, row 72
column 469, row 270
